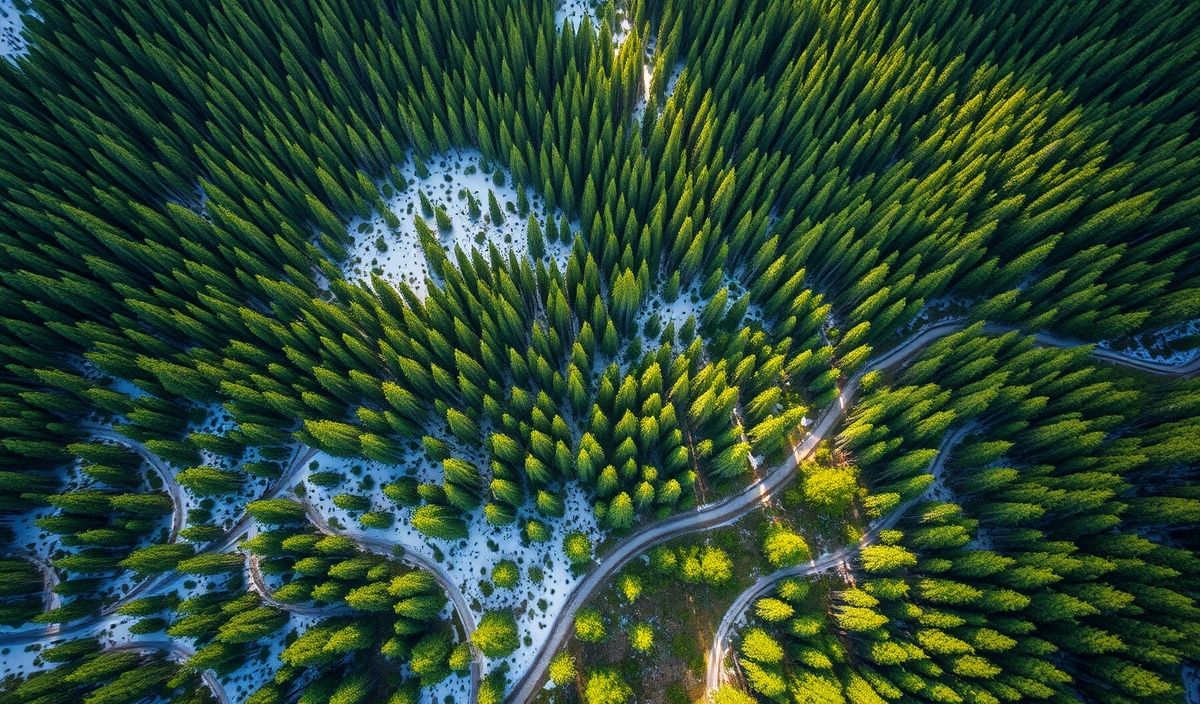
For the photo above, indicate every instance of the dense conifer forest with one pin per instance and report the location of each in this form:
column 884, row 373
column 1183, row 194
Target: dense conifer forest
column 930, row 270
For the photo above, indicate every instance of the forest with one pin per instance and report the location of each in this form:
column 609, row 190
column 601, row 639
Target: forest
column 923, row 277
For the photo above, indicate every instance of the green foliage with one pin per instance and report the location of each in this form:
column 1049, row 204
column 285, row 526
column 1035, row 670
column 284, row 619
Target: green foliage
column 177, row 181
column 496, row 634
column 641, row 637
column 577, row 548
column 589, row 626
column 784, row 548
column 505, row 574
column 606, row 687
column 562, row 669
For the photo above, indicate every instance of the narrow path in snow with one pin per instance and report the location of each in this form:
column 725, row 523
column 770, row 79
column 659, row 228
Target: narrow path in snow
column 239, row 529
column 415, row 559
column 257, row 584
column 50, row 599
column 758, row 493
column 178, row 514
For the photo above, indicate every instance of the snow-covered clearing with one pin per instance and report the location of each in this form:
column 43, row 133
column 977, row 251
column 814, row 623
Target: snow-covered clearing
column 12, row 26
column 396, row 255
column 546, row 576
column 574, row 11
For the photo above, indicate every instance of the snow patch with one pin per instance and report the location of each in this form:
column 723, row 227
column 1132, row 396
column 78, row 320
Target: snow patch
column 396, row 254
column 225, row 509
column 12, row 31
column 575, row 12
column 469, row 562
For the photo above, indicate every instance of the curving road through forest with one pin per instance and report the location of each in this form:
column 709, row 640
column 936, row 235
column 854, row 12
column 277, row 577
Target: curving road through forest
column 728, row 510
column 256, row 583
column 716, row 654
column 823, row 563
column 239, row 529
column 178, row 515
column 705, row 517
column 414, row 559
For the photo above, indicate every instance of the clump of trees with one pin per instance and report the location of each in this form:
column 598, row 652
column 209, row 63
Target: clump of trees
column 1041, row 578
column 82, row 670
column 381, row 612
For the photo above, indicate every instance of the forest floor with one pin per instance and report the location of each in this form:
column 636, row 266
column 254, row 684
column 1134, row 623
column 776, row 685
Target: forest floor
column 683, row 615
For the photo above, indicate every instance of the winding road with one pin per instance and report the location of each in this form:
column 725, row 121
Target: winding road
column 50, row 599
column 715, row 656
column 758, row 493
column 414, row 559
column 239, row 529
column 705, row 517
column 178, row 515
column 257, row 584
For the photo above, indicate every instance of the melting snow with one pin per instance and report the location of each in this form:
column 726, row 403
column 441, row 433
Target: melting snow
column 469, row 562
column 12, row 25
column 396, row 255
column 1162, row 345
column 574, row 11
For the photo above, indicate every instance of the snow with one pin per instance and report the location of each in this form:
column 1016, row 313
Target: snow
column 686, row 305
column 574, row 11
column 130, row 389
column 43, row 545
column 1191, row 684
column 114, row 630
column 639, row 109
column 1176, row 345
column 396, row 255
column 228, row 508
column 469, row 562
column 12, row 24
column 259, row 668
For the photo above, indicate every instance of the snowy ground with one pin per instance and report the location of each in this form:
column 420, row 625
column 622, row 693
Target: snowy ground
column 228, row 508
column 12, row 25
column 31, row 539
column 396, row 254
column 115, row 631
column 261, row 667
column 1175, row 345
column 1191, row 684
column 574, row 11
column 546, row 577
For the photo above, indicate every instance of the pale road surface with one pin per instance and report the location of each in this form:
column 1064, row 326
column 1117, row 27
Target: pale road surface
column 415, row 559
column 178, row 516
column 715, row 657
column 240, row 528
column 705, row 517
column 258, row 585
column 726, row 511
column 50, row 599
